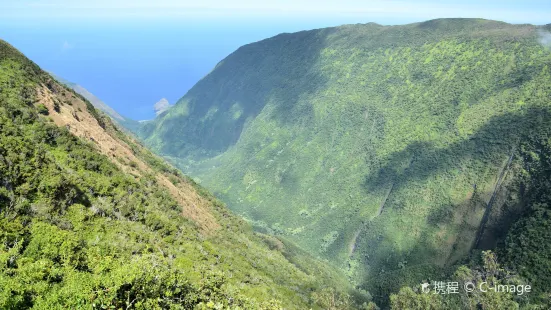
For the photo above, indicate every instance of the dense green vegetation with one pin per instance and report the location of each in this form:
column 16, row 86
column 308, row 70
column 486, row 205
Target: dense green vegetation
column 486, row 269
column 527, row 249
column 78, row 232
column 391, row 151
column 524, row 256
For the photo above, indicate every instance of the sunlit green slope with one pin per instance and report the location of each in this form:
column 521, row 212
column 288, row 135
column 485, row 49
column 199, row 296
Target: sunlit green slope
column 377, row 147
column 90, row 219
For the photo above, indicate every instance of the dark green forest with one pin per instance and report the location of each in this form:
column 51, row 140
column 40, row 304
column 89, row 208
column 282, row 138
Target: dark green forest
column 396, row 153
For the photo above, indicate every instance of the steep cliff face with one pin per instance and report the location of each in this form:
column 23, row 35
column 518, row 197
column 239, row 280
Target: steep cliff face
column 90, row 218
column 380, row 148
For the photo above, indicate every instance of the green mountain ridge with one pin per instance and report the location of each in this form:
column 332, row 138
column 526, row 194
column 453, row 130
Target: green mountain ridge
column 90, row 219
column 392, row 151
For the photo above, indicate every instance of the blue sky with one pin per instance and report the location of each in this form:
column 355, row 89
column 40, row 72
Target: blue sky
column 535, row 11
column 133, row 53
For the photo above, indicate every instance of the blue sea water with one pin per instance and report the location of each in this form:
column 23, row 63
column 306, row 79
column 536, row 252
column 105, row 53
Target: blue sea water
column 130, row 66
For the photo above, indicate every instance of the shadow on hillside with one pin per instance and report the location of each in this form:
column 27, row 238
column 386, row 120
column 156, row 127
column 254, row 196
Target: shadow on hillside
column 387, row 277
column 278, row 69
column 298, row 75
column 489, row 146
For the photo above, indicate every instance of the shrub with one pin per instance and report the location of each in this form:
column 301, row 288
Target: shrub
column 42, row 109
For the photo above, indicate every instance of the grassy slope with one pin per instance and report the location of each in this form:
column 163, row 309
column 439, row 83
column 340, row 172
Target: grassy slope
column 89, row 218
column 375, row 147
